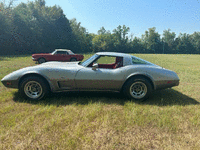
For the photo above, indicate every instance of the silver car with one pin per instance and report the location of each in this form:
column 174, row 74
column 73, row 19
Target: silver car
column 104, row 71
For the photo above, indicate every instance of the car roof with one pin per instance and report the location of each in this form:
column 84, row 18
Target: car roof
column 114, row 54
column 65, row 50
column 62, row 50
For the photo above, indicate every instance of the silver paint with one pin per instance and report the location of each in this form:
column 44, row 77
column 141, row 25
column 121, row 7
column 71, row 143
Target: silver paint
column 63, row 76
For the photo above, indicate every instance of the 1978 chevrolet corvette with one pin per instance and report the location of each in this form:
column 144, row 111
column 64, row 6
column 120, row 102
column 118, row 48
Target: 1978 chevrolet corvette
column 104, row 71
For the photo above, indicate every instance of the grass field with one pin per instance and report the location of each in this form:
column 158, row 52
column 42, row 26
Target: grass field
column 169, row 119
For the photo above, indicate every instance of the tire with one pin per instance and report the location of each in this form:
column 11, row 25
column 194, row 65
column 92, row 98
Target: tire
column 73, row 59
column 41, row 60
column 33, row 88
column 138, row 89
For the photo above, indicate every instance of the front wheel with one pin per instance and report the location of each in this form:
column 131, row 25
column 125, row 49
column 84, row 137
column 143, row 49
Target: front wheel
column 138, row 89
column 41, row 60
column 33, row 88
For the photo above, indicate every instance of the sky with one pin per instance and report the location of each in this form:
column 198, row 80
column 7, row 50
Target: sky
column 139, row 15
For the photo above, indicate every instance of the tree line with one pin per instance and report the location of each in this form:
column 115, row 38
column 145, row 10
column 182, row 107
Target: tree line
column 34, row 27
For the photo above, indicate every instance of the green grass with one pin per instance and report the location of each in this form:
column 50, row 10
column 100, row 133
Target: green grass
column 169, row 119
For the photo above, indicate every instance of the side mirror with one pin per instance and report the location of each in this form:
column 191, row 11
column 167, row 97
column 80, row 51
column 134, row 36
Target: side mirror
column 94, row 66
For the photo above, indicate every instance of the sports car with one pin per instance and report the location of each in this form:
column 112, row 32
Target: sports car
column 104, row 71
column 57, row 55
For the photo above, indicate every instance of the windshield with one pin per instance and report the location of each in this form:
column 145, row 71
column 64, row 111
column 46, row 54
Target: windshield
column 53, row 52
column 89, row 60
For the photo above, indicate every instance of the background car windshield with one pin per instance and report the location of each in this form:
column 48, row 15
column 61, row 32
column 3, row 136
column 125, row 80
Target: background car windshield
column 89, row 60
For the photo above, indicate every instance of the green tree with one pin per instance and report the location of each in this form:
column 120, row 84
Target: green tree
column 102, row 31
column 136, row 46
column 103, row 42
column 151, row 41
column 5, row 26
column 37, row 27
column 120, row 38
column 168, row 41
column 195, row 41
column 184, row 45
column 82, row 39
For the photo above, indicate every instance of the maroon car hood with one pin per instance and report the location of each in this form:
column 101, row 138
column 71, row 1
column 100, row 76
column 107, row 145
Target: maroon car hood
column 42, row 54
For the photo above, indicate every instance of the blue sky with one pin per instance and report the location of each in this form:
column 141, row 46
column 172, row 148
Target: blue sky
column 178, row 15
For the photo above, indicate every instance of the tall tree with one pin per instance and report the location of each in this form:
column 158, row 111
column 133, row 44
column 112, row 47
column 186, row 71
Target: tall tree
column 151, row 40
column 102, row 30
column 82, row 38
column 136, row 46
column 184, row 45
column 168, row 41
column 120, row 38
column 195, row 41
column 103, row 41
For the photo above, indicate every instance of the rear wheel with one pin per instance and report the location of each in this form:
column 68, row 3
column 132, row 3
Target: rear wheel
column 41, row 60
column 33, row 88
column 138, row 89
column 73, row 59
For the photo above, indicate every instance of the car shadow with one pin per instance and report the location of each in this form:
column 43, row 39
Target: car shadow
column 166, row 97
column 169, row 97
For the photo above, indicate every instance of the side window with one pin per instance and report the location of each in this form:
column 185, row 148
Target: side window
column 109, row 62
column 61, row 52
column 137, row 61
column 106, row 60
column 119, row 62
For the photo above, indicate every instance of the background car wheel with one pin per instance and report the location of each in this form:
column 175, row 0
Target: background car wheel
column 138, row 89
column 33, row 88
column 73, row 59
column 41, row 60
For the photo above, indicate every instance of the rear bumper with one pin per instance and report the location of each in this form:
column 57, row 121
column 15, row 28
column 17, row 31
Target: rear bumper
column 166, row 84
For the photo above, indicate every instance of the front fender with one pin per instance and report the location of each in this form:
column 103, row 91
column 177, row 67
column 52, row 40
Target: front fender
column 52, row 86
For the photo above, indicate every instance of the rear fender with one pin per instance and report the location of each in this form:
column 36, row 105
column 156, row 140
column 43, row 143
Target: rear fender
column 144, row 75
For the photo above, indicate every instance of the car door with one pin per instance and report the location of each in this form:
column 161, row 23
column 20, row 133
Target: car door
column 99, row 79
column 59, row 56
column 66, row 56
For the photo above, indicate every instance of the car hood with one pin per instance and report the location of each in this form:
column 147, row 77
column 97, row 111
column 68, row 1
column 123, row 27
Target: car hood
column 59, row 64
column 41, row 54
column 44, row 68
column 55, row 66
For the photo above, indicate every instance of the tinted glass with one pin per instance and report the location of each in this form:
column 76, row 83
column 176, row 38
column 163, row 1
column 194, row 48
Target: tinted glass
column 138, row 61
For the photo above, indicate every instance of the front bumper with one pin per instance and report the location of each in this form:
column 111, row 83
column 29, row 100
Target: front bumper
column 34, row 59
column 10, row 83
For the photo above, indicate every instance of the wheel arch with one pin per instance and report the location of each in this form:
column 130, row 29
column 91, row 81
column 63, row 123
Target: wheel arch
column 42, row 57
column 73, row 58
column 36, row 75
column 139, row 75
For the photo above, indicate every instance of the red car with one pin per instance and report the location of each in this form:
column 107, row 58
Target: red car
column 57, row 55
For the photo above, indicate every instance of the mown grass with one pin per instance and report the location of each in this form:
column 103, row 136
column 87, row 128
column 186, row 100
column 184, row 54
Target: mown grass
column 169, row 119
